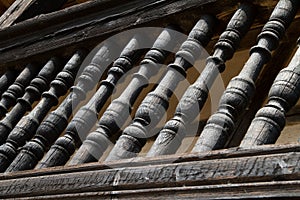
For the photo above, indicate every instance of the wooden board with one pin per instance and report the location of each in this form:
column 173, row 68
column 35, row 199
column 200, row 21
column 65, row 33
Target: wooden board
column 233, row 166
column 61, row 32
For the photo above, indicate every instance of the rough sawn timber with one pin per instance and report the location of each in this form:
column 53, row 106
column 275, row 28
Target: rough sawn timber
column 227, row 168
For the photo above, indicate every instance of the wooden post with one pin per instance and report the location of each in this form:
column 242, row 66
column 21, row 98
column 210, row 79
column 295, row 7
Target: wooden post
column 270, row 120
column 170, row 137
column 56, row 121
column 155, row 104
column 33, row 93
column 27, row 126
column 6, row 80
column 119, row 110
column 87, row 115
column 17, row 89
column 241, row 88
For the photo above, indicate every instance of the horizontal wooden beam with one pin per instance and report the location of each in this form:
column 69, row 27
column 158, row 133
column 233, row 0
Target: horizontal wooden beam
column 257, row 190
column 62, row 32
column 234, row 166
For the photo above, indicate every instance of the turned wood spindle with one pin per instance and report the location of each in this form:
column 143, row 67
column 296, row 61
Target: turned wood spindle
column 119, row 110
column 86, row 117
column 241, row 88
column 27, row 126
column 6, row 80
column 189, row 106
column 270, row 120
column 32, row 93
column 57, row 121
column 17, row 89
column 155, row 104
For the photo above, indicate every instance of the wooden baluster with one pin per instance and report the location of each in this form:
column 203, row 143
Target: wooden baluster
column 170, row 137
column 241, row 88
column 17, row 89
column 6, row 80
column 33, row 93
column 119, row 110
column 270, row 120
column 57, row 121
column 27, row 126
column 156, row 103
column 86, row 117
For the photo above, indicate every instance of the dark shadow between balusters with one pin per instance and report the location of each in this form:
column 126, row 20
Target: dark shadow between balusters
column 7, row 79
column 32, row 93
column 86, row 117
column 17, row 89
column 119, row 110
column 241, row 88
column 57, row 121
column 269, row 121
column 27, row 126
column 155, row 104
column 189, row 106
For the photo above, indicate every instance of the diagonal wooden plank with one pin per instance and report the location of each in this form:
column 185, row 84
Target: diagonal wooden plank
column 14, row 11
column 21, row 10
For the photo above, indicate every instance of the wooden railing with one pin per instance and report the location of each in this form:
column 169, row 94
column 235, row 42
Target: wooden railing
column 46, row 109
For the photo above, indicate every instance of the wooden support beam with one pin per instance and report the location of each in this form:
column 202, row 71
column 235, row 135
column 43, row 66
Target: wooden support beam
column 62, row 33
column 234, row 166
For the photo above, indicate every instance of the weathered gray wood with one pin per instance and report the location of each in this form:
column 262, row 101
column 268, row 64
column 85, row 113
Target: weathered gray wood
column 56, row 121
column 155, row 104
column 235, row 152
column 17, row 89
column 119, row 110
column 241, row 88
column 33, row 93
column 189, row 106
column 14, row 11
column 56, row 31
column 207, row 172
column 283, row 190
column 6, row 80
column 281, row 57
column 27, row 126
column 270, row 120
column 86, row 116
column 40, row 7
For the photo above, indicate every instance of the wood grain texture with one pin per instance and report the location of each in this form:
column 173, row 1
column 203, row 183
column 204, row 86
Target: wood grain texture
column 283, row 95
column 283, row 190
column 86, row 117
column 119, row 110
column 27, row 126
column 278, row 166
column 241, row 88
column 235, row 152
column 189, row 106
column 57, row 120
column 17, row 89
column 32, row 93
column 14, row 12
column 155, row 104
column 99, row 19
column 6, row 80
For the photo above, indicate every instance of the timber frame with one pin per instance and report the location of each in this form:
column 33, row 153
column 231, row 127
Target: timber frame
column 264, row 172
